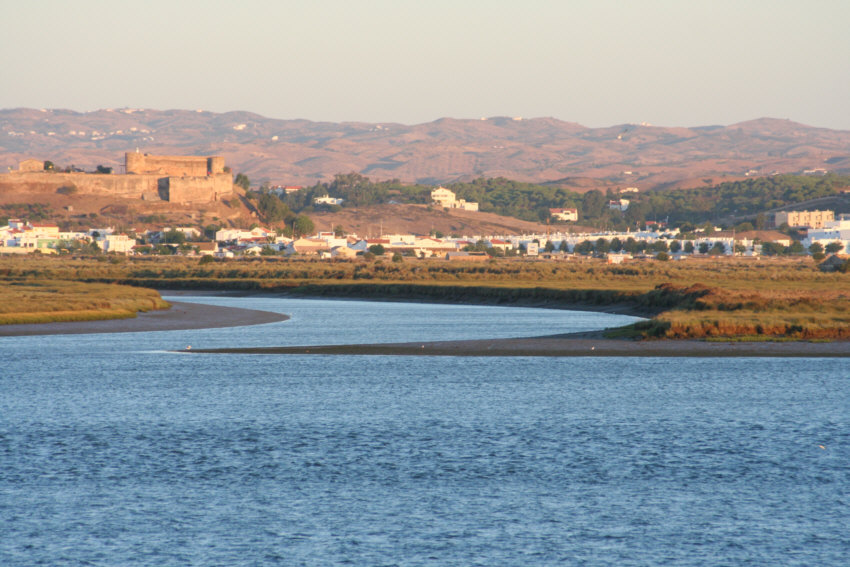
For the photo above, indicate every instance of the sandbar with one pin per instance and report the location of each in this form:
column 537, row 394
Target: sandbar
column 577, row 344
column 181, row 316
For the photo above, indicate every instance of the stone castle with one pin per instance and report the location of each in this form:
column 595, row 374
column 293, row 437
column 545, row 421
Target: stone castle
column 176, row 179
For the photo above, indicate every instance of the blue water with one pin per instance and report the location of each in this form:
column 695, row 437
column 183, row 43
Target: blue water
column 115, row 452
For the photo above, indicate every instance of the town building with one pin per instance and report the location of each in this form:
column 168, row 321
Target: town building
column 564, row 214
column 811, row 219
column 447, row 199
column 326, row 200
column 618, row 204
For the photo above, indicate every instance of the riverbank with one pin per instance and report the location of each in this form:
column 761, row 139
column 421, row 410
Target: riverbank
column 690, row 300
column 181, row 316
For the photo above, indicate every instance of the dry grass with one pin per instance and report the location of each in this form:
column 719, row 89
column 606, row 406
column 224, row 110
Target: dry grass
column 32, row 301
column 694, row 298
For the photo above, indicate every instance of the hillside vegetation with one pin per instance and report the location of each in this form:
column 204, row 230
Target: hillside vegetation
column 531, row 202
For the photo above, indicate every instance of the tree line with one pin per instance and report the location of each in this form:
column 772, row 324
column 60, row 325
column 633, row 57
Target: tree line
column 531, row 202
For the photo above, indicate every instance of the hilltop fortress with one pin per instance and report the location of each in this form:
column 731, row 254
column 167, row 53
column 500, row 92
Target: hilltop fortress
column 176, row 179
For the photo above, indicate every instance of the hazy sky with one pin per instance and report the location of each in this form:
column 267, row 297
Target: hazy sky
column 598, row 62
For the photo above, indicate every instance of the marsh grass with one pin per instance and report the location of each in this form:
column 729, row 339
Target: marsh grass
column 701, row 298
column 39, row 301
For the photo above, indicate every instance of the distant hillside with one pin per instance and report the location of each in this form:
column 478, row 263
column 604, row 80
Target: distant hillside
column 535, row 150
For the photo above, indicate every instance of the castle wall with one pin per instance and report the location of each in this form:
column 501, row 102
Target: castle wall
column 31, row 165
column 189, row 190
column 179, row 179
column 205, row 189
column 126, row 186
column 173, row 166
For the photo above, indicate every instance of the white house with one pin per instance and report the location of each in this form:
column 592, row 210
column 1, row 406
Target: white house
column 443, row 197
column 326, row 200
column 118, row 243
column 618, row 204
column 833, row 231
column 564, row 214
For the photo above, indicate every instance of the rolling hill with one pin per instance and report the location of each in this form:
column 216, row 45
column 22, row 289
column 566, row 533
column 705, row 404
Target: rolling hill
column 541, row 150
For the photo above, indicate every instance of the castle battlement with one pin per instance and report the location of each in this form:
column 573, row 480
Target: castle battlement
column 176, row 179
column 173, row 166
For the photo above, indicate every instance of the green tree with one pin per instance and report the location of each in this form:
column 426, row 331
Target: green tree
column 242, row 181
column 796, row 248
column 602, row 246
column 718, row 249
column 272, row 209
column 834, row 247
column 593, row 204
column 772, row 249
column 615, row 245
column 689, row 247
column 660, row 246
column 302, row 225
column 686, row 227
column 377, row 249
column 174, row 236
column 164, row 250
column 816, row 248
column 584, row 247
column 210, row 230
column 675, row 246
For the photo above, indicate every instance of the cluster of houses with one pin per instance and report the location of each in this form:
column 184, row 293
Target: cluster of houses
column 21, row 237
column 830, row 230
column 235, row 242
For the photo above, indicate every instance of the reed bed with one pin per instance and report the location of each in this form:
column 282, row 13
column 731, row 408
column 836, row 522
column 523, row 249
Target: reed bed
column 41, row 301
column 724, row 297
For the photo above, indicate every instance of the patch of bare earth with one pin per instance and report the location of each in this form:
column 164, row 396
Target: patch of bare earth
column 421, row 219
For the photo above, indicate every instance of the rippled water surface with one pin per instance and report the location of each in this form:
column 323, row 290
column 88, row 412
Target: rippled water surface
column 114, row 451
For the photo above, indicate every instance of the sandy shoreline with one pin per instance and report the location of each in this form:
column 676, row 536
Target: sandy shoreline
column 181, row 316
column 185, row 315
column 581, row 344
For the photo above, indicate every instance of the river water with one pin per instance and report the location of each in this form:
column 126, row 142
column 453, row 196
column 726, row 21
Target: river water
column 114, row 451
